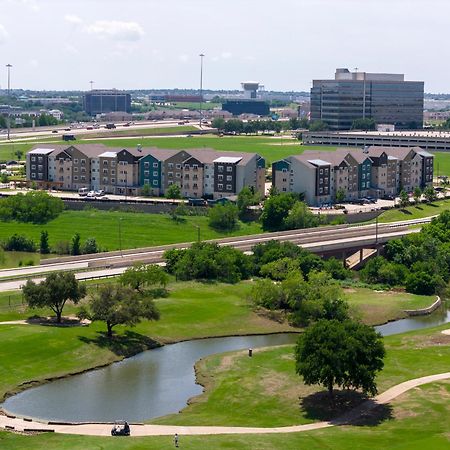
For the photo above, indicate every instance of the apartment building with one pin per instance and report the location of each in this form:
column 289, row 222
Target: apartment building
column 374, row 171
column 198, row 172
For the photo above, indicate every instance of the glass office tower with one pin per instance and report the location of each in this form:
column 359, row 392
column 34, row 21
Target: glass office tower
column 100, row 101
column 386, row 98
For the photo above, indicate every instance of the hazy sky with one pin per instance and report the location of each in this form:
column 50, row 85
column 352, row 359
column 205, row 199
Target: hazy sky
column 284, row 44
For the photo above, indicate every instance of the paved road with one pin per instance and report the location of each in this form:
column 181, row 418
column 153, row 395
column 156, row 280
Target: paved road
column 95, row 429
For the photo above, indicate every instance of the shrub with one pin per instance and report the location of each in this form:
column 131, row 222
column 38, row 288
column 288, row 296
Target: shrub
column 19, row 243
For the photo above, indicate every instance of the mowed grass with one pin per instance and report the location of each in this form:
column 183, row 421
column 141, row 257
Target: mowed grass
column 136, row 229
column 193, row 310
column 378, row 307
column 265, row 391
column 442, row 163
column 415, row 212
column 13, row 259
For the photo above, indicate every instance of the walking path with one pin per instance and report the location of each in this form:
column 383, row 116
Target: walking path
column 97, row 429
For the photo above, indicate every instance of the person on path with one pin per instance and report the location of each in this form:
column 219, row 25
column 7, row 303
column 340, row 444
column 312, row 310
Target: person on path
column 175, row 440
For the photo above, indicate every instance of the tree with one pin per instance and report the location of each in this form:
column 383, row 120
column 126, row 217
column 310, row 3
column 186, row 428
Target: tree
column 54, row 292
column 430, row 194
column 404, row 199
column 421, row 283
column 219, row 123
column 347, row 354
column 146, row 190
column 115, row 305
column 300, row 217
column 44, row 248
column 19, row 154
column 75, row 247
column 19, row 243
column 173, row 191
column 364, row 124
column 280, row 269
column 247, row 197
column 417, row 193
column 90, row 246
column 143, row 276
column 223, row 217
column 266, row 294
column 340, row 195
column 318, row 125
column 276, row 209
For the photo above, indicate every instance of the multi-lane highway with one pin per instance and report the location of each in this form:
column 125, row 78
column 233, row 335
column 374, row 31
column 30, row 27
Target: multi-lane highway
column 324, row 240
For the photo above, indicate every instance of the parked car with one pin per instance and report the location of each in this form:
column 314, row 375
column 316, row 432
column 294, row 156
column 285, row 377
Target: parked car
column 120, row 428
column 91, row 194
column 82, row 192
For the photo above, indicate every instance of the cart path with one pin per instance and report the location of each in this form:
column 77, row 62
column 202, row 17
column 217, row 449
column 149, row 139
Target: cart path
column 98, row 429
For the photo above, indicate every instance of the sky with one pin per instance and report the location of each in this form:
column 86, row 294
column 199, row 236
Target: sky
column 284, row 44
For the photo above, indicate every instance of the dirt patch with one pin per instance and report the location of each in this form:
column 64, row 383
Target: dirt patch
column 228, row 361
column 349, row 290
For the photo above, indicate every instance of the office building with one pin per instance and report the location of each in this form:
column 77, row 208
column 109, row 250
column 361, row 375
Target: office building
column 106, row 101
column 385, row 98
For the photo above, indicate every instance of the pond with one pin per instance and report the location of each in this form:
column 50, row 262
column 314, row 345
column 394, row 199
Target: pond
column 156, row 382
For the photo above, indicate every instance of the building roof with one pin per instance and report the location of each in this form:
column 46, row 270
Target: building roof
column 108, row 155
column 41, row 151
column 318, row 162
column 228, row 159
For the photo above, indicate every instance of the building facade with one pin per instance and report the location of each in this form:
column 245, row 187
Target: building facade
column 350, row 174
column 198, row 172
column 106, row 101
column 385, row 98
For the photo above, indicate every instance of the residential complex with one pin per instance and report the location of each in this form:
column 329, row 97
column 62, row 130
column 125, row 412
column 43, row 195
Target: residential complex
column 374, row 171
column 386, row 98
column 198, row 172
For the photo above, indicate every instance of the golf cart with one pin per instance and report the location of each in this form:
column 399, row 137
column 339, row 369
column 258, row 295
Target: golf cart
column 120, row 428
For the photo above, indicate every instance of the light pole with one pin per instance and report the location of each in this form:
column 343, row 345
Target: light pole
column 8, row 68
column 92, row 84
column 201, row 86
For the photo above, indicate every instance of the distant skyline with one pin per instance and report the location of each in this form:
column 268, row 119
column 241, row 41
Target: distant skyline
column 154, row 44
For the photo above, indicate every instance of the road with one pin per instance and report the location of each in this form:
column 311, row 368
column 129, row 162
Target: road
column 317, row 240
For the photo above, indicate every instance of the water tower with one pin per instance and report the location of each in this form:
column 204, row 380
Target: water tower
column 250, row 89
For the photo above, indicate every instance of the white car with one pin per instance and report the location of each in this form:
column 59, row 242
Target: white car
column 91, row 194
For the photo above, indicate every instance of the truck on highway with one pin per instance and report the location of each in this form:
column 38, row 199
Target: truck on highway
column 110, row 126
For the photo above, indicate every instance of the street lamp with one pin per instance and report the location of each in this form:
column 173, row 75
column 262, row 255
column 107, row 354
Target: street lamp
column 8, row 119
column 201, row 86
column 92, row 84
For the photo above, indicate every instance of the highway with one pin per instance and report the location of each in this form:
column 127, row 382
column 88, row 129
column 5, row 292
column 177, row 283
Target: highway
column 318, row 240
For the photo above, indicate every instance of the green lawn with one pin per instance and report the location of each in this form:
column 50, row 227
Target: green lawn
column 13, row 259
column 375, row 308
column 265, row 391
column 137, row 229
column 415, row 212
column 442, row 163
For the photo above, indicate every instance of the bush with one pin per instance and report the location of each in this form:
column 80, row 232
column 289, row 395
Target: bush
column 421, row 283
column 223, row 217
column 19, row 243
column 35, row 207
column 90, row 246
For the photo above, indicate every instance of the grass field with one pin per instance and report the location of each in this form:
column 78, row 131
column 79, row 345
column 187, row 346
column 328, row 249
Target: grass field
column 265, row 391
column 442, row 163
column 419, row 422
column 13, row 259
column 375, row 307
column 137, row 229
column 415, row 212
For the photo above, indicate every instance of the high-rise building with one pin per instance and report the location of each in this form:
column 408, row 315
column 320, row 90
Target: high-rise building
column 385, row 98
column 106, row 101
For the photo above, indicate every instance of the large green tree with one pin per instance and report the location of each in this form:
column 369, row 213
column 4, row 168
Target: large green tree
column 346, row 354
column 115, row 305
column 142, row 277
column 223, row 217
column 54, row 292
column 276, row 210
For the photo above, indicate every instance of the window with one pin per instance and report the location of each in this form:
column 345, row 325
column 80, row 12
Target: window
column 155, row 165
column 229, row 177
column 195, row 166
column 105, row 180
column 178, row 175
column 105, row 163
column 113, row 172
column 113, row 180
column 321, row 190
column 75, row 161
column 146, row 173
column 33, row 158
column 40, row 159
column 321, row 171
column 146, row 165
column 155, row 174
column 155, row 183
column 40, row 168
column 229, row 169
column 220, row 186
column 220, row 177
column 186, row 167
column 33, row 175
column 33, row 166
column 229, row 187
column 170, row 174
column 75, row 177
column 220, row 168
column 83, row 161
column 284, row 170
column 178, row 166
column 113, row 164
column 170, row 165
column 40, row 176
column 75, row 169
